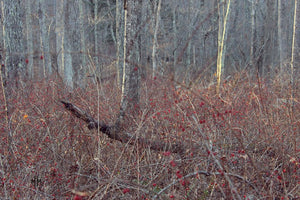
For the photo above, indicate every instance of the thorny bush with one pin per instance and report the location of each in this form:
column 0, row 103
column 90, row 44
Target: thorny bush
column 251, row 128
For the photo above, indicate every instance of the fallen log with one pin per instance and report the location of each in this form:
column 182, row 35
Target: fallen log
column 116, row 132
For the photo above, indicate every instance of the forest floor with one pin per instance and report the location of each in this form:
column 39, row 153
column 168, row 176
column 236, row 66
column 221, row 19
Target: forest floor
column 248, row 139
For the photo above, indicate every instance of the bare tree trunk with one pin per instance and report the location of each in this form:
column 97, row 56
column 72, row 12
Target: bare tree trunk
column 96, row 32
column 269, row 42
column 68, row 70
column 131, row 79
column 130, row 91
column 60, row 36
column 75, row 43
column 175, row 44
column 188, row 51
column 253, row 32
column 14, row 41
column 29, row 39
column 44, row 38
column 82, row 21
column 280, row 53
column 154, row 46
column 1, row 30
column 222, row 38
column 292, row 89
column 293, row 49
column 14, row 59
column 118, row 40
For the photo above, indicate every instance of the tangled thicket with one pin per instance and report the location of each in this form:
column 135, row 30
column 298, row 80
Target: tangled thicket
column 243, row 142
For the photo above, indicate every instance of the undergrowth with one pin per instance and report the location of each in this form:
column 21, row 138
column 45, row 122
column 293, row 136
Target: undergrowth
column 247, row 138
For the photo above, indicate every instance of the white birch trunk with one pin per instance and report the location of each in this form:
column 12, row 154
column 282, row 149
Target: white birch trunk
column 293, row 48
column 222, row 38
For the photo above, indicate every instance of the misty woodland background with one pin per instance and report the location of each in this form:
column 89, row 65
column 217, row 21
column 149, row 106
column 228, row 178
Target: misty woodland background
column 217, row 77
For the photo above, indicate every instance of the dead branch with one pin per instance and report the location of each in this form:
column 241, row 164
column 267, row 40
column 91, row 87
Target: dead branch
column 116, row 132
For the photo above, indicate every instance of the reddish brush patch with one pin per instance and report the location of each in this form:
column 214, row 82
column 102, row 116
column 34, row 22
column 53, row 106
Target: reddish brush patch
column 249, row 129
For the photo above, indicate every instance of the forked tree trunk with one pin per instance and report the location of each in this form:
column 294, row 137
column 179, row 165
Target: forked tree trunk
column 130, row 91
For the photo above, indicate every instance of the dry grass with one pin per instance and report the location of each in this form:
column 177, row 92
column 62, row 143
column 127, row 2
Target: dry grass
column 248, row 138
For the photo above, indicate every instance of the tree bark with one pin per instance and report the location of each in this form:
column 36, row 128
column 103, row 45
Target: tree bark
column 44, row 40
column 279, row 31
column 29, row 39
column 60, row 36
column 68, row 68
column 154, row 45
column 269, row 42
column 175, row 44
column 96, row 32
column 120, row 41
column 253, row 32
column 13, row 34
column 130, row 90
column 131, row 75
column 82, row 49
column 222, row 38
column 75, row 36
column 293, row 51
